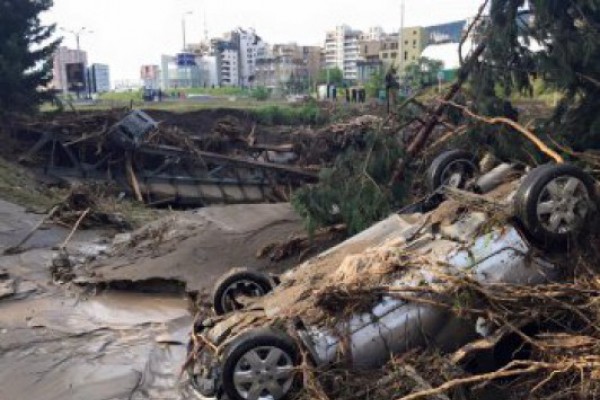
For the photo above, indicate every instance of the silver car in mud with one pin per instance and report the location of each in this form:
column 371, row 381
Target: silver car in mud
column 251, row 354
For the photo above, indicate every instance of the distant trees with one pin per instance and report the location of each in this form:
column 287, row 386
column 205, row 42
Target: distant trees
column 375, row 83
column 336, row 76
column 25, row 55
column 422, row 73
column 260, row 93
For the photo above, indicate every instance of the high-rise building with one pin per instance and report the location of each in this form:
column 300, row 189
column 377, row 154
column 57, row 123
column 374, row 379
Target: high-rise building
column 342, row 50
column 69, row 70
column 226, row 54
column 236, row 56
column 288, row 66
column 99, row 78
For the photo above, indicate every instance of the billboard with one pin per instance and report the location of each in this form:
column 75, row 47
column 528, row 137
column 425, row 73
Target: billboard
column 75, row 77
column 186, row 60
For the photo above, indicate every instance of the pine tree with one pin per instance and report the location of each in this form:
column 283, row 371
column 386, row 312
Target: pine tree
column 25, row 55
column 553, row 40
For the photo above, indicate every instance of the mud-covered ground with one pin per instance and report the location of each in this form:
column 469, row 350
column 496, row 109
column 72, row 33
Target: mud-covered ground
column 62, row 342
column 85, row 340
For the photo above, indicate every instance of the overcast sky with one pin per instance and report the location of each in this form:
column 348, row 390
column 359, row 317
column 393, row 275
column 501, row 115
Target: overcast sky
column 129, row 33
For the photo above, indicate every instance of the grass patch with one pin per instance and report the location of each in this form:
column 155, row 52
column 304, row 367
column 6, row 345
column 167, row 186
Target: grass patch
column 307, row 114
column 18, row 186
column 176, row 106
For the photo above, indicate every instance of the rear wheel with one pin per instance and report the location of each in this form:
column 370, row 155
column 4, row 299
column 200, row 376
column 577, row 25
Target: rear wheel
column 260, row 365
column 555, row 203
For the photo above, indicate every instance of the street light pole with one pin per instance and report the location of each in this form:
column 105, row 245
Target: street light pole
column 186, row 70
column 183, row 27
column 77, row 34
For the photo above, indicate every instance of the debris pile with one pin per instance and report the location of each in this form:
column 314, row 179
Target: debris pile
column 162, row 165
column 545, row 339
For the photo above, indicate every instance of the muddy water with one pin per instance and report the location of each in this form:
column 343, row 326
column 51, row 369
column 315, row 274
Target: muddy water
column 61, row 343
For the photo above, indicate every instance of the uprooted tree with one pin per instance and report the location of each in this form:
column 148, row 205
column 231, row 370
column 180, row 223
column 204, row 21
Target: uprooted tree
column 555, row 42
column 25, row 55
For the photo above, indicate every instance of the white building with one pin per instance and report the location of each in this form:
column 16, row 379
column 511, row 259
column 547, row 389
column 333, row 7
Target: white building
column 209, row 67
column 374, row 33
column 342, row 50
column 64, row 57
column 250, row 47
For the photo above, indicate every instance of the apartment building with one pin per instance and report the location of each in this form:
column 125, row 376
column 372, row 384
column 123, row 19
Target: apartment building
column 284, row 63
column 389, row 52
column 342, row 50
column 237, row 54
column 412, row 42
column 226, row 53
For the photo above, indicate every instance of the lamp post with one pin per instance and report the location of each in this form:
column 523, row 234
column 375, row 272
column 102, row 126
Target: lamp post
column 77, row 34
column 183, row 31
column 183, row 27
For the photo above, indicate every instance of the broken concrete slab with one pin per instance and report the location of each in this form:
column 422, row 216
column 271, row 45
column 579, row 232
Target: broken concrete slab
column 194, row 247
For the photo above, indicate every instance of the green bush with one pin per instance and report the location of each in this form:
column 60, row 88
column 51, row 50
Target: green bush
column 308, row 114
column 261, row 93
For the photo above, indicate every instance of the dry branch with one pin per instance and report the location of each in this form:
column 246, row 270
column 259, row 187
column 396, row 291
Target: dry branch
column 506, row 372
column 135, row 186
column 75, row 227
column 516, row 126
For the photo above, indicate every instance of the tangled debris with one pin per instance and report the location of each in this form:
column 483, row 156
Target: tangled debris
column 546, row 338
column 164, row 164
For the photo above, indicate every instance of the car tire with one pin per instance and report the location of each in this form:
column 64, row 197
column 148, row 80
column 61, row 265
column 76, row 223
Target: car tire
column 555, row 204
column 452, row 168
column 261, row 360
column 239, row 281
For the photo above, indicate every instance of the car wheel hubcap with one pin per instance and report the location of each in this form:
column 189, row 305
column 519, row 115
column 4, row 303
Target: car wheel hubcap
column 243, row 288
column 456, row 173
column 264, row 373
column 563, row 205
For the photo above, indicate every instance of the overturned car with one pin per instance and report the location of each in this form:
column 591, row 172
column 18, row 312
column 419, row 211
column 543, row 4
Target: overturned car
column 264, row 327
